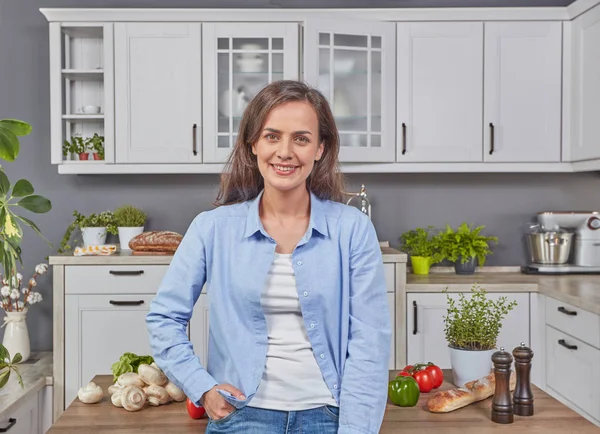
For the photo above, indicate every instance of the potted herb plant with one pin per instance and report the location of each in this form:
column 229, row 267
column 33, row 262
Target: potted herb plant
column 96, row 144
column 77, row 146
column 472, row 326
column 465, row 246
column 93, row 227
column 130, row 222
column 422, row 246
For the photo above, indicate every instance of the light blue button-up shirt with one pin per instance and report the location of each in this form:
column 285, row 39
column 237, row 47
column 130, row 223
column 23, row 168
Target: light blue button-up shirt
column 341, row 287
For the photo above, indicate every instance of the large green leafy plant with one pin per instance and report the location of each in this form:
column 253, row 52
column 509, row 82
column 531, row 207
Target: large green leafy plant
column 12, row 196
column 475, row 323
column 421, row 242
column 465, row 243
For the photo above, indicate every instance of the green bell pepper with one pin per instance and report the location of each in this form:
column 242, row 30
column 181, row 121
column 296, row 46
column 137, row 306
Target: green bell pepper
column 404, row 391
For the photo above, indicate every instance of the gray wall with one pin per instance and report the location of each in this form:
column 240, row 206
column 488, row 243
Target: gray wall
column 502, row 202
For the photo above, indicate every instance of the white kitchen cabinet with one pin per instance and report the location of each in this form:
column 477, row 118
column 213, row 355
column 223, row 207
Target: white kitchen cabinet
column 158, row 92
column 573, row 345
column 199, row 329
column 584, row 86
column 98, row 330
column 25, row 419
column 439, row 96
column 426, row 340
column 352, row 64
column 238, row 60
column 522, row 92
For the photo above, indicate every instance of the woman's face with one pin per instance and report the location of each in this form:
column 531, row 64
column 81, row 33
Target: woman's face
column 288, row 146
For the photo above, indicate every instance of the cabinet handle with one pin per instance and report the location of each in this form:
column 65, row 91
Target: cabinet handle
column 126, row 273
column 194, row 149
column 491, row 138
column 12, row 421
column 414, row 317
column 566, row 345
column 403, row 138
column 567, row 312
column 126, row 303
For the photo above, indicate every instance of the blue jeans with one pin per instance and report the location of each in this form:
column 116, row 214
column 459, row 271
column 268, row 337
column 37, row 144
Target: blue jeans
column 252, row 420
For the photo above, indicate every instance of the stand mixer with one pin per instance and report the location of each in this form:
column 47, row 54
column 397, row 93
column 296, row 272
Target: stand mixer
column 585, row 257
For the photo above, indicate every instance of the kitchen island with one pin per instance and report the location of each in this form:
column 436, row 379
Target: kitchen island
column 550, row 417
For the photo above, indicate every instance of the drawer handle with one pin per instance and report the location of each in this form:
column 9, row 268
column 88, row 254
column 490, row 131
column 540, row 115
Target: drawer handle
column 126, row 273
column 491, row 138
column 567, row 312
column 126, row 303
column 415, row 317
column 566, row 345
column 12, row 421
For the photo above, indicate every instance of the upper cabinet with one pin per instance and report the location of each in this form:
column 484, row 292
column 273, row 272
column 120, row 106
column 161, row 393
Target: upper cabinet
column 522, row 98
column 584, row 86
column 158, row 92
column 440, row 82
column 239, row 59
column 352, row 64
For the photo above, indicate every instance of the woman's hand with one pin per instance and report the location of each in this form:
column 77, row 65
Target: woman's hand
column 215, row 405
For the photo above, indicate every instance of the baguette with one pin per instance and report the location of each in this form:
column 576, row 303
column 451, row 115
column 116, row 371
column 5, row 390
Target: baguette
column 156, row 241
column 473, row 391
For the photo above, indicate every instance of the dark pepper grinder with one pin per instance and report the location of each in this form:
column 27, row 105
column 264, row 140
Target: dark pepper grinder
column 502, row 406
column 523, row 397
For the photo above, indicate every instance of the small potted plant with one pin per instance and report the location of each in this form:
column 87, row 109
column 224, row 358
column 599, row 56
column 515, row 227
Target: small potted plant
column 93, row 229
column 464, row 246
column 96, row 144
column 422, row 246
column 472, row 327
column 77, row 146
column 130, row 222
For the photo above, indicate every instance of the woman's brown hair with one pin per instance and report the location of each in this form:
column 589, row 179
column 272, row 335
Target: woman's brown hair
column 241, row 180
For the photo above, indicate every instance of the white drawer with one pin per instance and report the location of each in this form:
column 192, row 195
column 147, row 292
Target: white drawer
column 574, row 321
column 390, row 277
column 573, row 373
column 113, row 279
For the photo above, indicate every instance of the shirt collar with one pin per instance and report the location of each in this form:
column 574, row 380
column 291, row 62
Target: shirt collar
column 317, row 220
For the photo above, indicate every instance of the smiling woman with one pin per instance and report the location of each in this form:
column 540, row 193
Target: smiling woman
column 299, row 323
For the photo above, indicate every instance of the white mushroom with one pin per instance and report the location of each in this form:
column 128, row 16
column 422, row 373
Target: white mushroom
column 152, row 375
column 132, row 398
column 90, row 393
column 115, row 398
column 114, row 388
column 175, row 392
column 157, row 395
column 130, row 379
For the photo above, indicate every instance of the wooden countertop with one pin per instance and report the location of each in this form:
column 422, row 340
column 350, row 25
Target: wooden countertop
column 579, row 290
column 550, row 417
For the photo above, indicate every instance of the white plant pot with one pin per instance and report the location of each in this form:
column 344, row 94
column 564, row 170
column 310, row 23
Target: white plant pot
column 16, row 335
column 93, row 236
column 469, row 365
column 126, row 234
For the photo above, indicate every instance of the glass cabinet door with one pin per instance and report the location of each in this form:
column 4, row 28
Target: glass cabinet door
column 239, row 60
column 353, row 65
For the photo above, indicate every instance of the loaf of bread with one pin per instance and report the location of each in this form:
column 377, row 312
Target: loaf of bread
column 473, row 391
column 156, row 241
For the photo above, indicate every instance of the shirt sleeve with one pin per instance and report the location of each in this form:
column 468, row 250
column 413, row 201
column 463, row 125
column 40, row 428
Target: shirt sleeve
column 171, row 310
column 363, row 395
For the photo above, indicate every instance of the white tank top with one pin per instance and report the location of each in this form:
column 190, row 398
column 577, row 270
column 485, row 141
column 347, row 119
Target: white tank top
column 291, row 380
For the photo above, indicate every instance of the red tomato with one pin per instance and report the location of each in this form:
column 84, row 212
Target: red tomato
column 193, row 411
column 436, row 374
column 403, row 374
column 407, row 368
column 424, row 380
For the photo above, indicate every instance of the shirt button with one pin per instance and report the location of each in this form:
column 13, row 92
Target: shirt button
column 322, row 356
column 312, row 326
column 299, row 262
column 305, row 294
column 335, row 386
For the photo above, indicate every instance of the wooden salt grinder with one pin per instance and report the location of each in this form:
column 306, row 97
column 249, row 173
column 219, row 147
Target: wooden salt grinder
column 502, row 406
column 523, row 397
